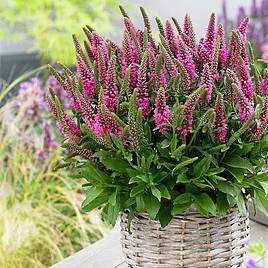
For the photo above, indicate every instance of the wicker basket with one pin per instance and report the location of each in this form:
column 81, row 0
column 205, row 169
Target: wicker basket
column 189, row 241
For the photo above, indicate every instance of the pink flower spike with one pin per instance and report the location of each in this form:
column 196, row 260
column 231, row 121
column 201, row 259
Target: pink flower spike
column 96, row 42
column 142, row 97
column 189, row 31
column 186, row 58
column 86, row 77
column 171, row 38
column 244, row 106
column 244, row 78
column 210, row 38
column 222, row 52
column 264, row 83
column 161, row 112
column 108, row 123
column 207, row 80
column 243, row 28
column 187, row 113
column 220, row 125
column 110, row 87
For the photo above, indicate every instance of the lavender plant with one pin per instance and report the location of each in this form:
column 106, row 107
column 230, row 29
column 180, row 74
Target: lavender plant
column 161, row 126
column 257, row 29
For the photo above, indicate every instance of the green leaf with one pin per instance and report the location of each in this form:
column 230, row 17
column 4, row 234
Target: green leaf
column 152, row 205
column 164, row 214
column 222, row 203
column 112, row 162
column 227, row 188
column 263, row 177
column 214, row 171
column 238, row 162
column 156, row 192
column 91, row 194
column 180, row 208
column 178, row 151
column 182, row 178
column 183, row 164
column 241, row 204
column 217, row 178
column 112, row 213
column 90, row 172
column 140, row 203
column 112, row 198
column 165, row 144
column 173, row 144
column 164, row 191
column 205, row 202
column 202, row 166
column 97, row 202
column 137, row 190
column 262, row 201
column 183, row 199
column 238, row 173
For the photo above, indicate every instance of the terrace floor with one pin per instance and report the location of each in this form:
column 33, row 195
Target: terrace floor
column 106, row 253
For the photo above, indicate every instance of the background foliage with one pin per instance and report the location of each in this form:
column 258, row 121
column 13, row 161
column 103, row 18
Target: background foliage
column 51, row 23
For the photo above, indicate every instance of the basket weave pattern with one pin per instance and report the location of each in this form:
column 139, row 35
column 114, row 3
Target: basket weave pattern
column 189, row 241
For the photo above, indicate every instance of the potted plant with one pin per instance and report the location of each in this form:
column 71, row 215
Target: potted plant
column 171, row 136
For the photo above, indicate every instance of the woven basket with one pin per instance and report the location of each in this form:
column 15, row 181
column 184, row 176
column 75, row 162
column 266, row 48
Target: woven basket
column 189, row 241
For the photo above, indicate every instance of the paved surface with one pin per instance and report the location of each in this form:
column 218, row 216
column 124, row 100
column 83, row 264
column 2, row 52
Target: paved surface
column 106, row 253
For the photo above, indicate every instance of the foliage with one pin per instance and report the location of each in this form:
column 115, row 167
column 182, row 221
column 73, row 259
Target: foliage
column 51, row 23
column 40, row 220
column 162, row 127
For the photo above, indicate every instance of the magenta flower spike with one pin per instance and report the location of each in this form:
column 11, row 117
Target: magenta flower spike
column 244, row 78
column 110, row 86
column 264, row 82
column 101, row 64
column 243, row 28
column 152, row 62
column 207, row 80
column 186, row 58
column 171, row 38
column 142, row 97
column 161, row 112
column 169, row 63
column 73, row 100
column 244, row 106
column 128, row 58
column 222, row 52
column 204, row 56
column 187, row 113
column 220, row 124
column 86, row 77
column 264, row 114
column 96, row 42
column 108, row 123
column 210, row 38
column 189, row 31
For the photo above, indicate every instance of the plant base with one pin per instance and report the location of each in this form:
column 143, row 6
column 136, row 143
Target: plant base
column 189, row 241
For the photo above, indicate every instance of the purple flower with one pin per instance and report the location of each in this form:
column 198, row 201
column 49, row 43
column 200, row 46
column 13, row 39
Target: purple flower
column 251, row 263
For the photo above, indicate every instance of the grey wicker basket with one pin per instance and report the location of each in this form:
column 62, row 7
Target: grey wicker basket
column 189, row 241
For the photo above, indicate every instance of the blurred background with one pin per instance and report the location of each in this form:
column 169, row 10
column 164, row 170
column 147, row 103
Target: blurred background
column 40, row 218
